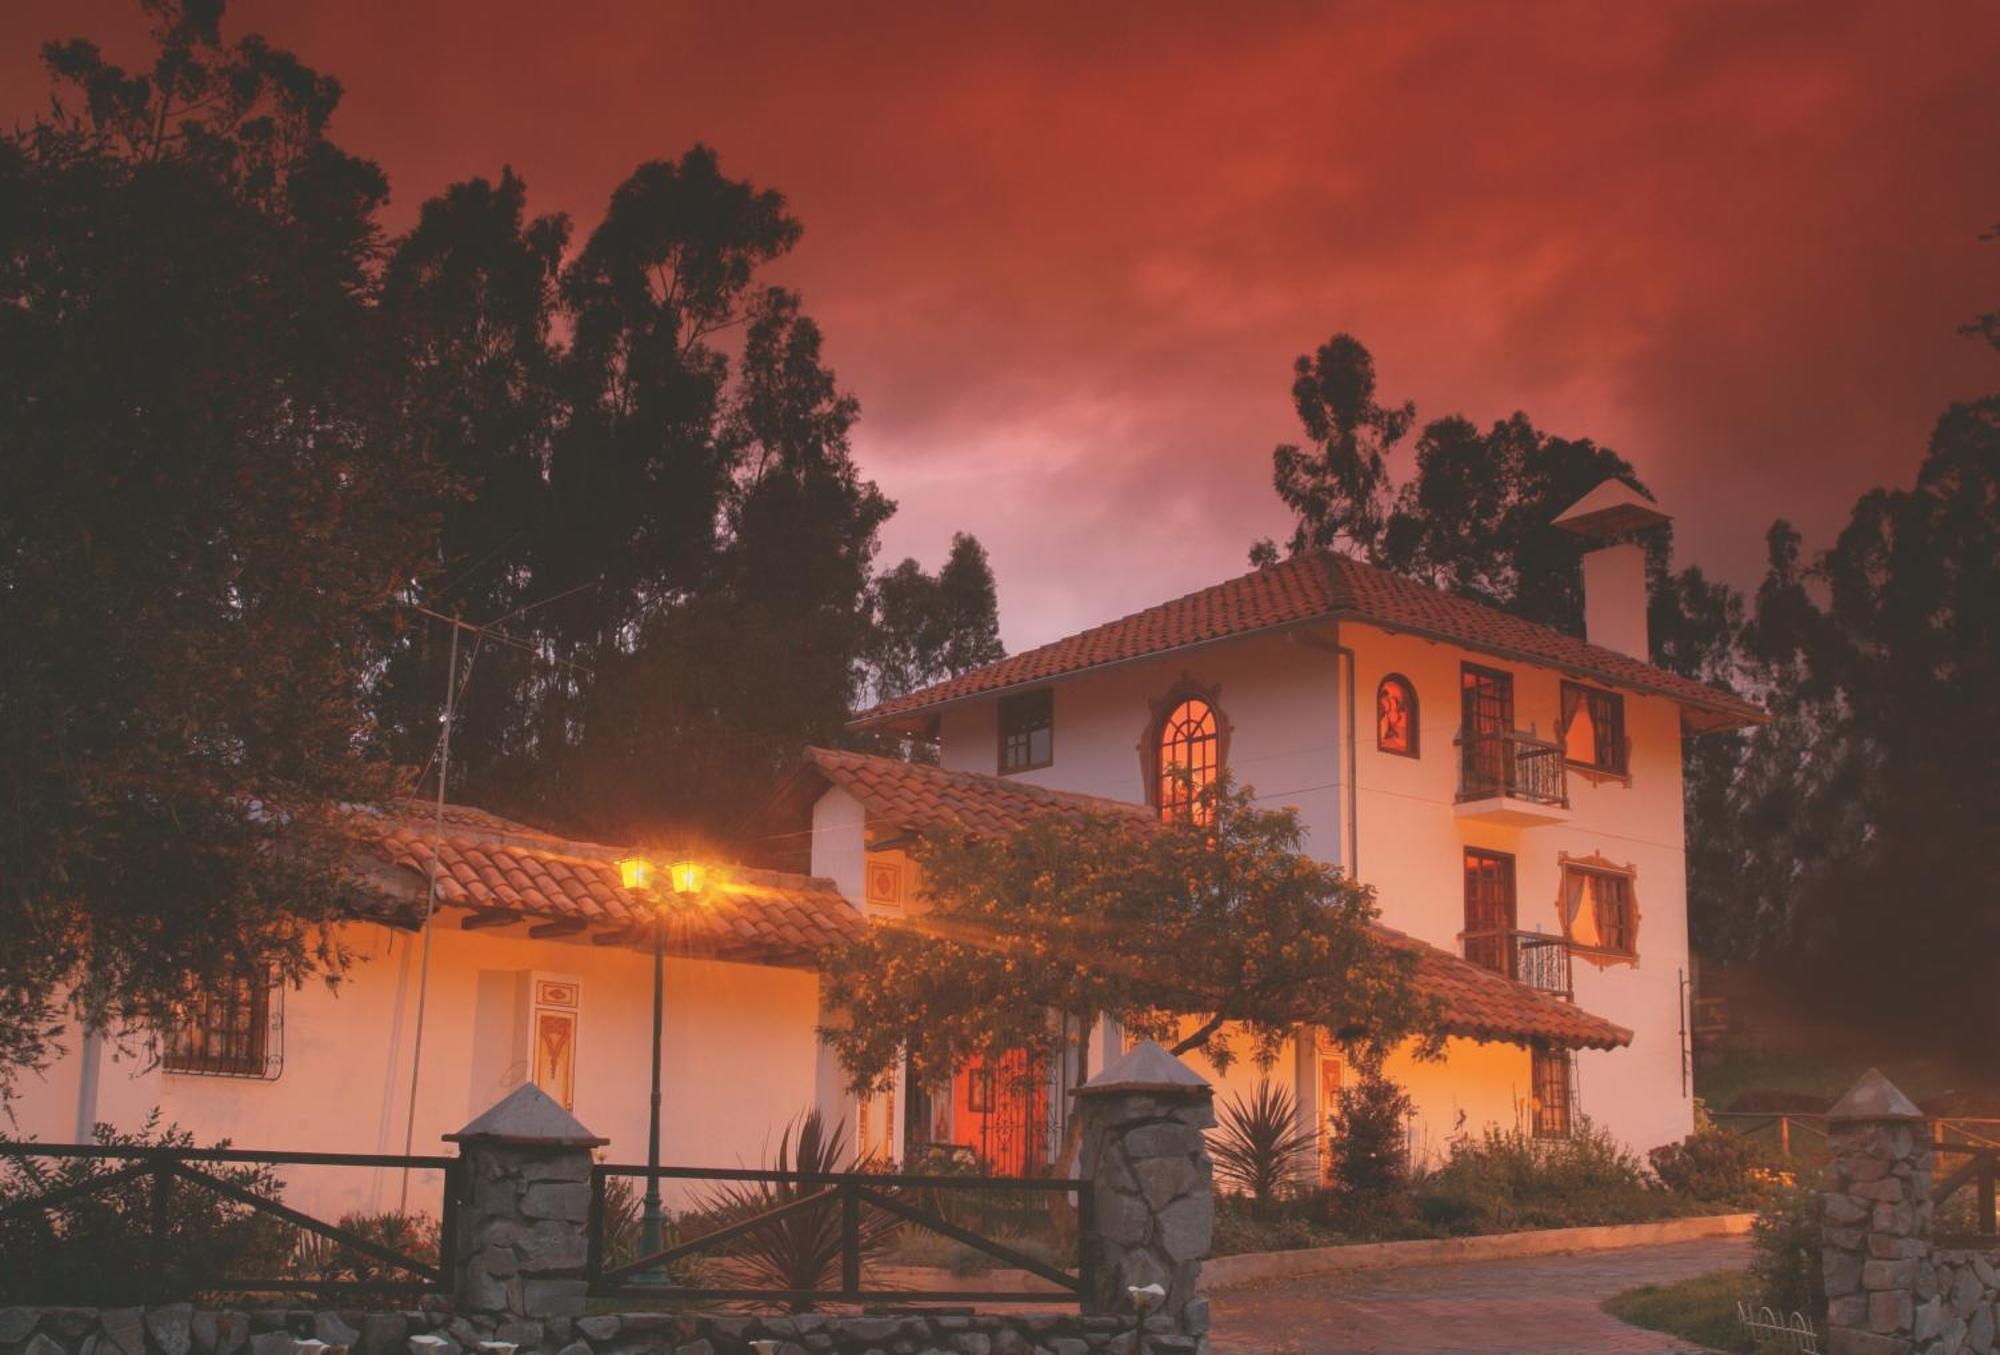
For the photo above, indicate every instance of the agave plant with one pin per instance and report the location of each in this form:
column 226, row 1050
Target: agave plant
column 1258, row 1144
column 801, row 1250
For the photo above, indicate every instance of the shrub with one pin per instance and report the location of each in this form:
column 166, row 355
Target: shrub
column 1715, row 1166
column 1785, row 1252
column 318, row 1257
column 1371, row 1159
column 93, row 1250
column 1258, row 1146
column 1509, row 1180
column 802, row 1250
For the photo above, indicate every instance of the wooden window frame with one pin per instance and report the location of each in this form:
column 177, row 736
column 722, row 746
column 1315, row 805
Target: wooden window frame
column 1548, row 1117
column 188, row 1047
column 1505, row 944
column 1604, row 869
column 1045, row 698
column 1161, row 710
column 1588, row 695
column 1414, row 717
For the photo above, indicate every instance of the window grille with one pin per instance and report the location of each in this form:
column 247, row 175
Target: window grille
column 1551, row 1105
column 1190, row 757
column 236, row 1029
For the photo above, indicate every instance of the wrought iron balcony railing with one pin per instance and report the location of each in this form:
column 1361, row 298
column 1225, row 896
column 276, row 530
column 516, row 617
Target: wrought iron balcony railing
column 1535, row 958
column 1495, row 764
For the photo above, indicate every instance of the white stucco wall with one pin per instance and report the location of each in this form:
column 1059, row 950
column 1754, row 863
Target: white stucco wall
column 738, row 1061
column 1285, row 705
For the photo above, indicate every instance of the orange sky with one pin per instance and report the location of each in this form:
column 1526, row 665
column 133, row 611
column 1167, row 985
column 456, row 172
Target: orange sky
column 1066, row 254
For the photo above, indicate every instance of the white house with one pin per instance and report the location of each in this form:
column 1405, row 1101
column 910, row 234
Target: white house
column 1513, row 793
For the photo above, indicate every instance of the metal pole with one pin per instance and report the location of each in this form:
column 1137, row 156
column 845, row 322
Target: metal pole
column 649, row 1228
column 430, row 906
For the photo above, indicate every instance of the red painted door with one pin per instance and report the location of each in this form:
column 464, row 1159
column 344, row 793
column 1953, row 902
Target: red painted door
column 1000, row 1111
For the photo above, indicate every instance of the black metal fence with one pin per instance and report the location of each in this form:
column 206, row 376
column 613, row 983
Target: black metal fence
column 802, row 1238
column 1495, row 763
column 152, row 1223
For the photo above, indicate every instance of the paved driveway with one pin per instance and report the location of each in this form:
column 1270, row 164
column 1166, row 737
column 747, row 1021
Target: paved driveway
column 1547, row 1305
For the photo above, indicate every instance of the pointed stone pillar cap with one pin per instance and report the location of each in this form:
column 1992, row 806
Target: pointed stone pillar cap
column 1874, row 1097
column 528, row 1115
column 1146, row 1067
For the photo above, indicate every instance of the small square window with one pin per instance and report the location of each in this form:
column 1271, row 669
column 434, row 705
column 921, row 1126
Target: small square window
column 1027, row 730
column 230, row 1030
column 1593, row 728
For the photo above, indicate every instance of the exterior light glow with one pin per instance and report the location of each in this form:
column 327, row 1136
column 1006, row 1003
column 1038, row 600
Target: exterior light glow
column 635, row 872
column 687, row 877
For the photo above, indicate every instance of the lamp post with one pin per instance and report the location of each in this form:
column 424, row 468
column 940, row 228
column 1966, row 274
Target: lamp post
column 685, row 877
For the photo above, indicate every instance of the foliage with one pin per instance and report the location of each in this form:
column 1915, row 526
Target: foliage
column 932, row 626
column 1507, row 1179
column 1701, row 1309
column 1370, row 1137
column 93, row 1250
column 318, row 1257
column 1257, row 1144
column 1785, row 1252
column 1716, row 1165
column 206, row 513
column 1222, row 922
column 801, row 1250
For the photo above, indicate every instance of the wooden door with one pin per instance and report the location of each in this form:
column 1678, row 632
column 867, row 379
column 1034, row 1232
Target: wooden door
column 1489, row 910
column 1486, row 717
column 1329, row 1102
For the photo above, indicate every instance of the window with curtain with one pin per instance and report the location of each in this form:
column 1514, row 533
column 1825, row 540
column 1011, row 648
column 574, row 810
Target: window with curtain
column 1593, row 728
column 1190, row 757
column 1598, row 912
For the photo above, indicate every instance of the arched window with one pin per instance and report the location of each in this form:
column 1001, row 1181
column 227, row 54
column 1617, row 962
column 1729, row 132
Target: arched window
column 1396, row 716
column 1190, row 755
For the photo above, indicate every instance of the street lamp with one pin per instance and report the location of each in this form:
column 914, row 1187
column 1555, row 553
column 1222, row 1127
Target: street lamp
column 685, row 879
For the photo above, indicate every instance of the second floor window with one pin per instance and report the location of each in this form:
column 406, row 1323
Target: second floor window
column 1593, row 728
column 1190, row 754
column 1027, row 730
column 1598, row 911
column 226, row 1030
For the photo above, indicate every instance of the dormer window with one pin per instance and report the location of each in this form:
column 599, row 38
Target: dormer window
column 1027, row 730
column 1396, row 716
column 1593, row 729
column 1190, row 756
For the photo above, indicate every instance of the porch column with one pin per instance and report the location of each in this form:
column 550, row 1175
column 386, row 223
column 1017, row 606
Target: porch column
column 1152, row 1193
column 523, row 1210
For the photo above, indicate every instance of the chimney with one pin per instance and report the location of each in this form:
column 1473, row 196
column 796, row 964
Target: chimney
column 1614, row 568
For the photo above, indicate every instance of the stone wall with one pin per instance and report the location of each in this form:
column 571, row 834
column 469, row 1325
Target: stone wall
column 1889, row 1289
column 179, row 1329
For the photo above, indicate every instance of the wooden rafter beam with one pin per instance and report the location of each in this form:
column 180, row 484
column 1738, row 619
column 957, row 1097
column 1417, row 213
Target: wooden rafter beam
column 489, row 917
column 562, row 926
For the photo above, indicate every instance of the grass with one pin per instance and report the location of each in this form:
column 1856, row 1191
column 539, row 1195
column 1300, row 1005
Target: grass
column 1701, row 1309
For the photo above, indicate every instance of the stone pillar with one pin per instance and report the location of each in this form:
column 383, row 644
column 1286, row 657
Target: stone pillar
column 1875, row 1211
column 1152, row 1192
column 523, row 1209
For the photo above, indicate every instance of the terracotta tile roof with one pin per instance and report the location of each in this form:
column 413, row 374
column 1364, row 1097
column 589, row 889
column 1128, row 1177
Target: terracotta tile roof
column 917, row 797
column 1476, row 1003
column 1480, row 1004
column 1325, row 586
column 493, row 864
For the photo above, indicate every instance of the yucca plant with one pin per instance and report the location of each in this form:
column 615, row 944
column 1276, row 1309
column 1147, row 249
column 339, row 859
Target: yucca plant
column 801, row 1250
column 1258, row 1145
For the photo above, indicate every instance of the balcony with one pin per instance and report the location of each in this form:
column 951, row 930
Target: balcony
column 1535, row 958
column 1505, row 776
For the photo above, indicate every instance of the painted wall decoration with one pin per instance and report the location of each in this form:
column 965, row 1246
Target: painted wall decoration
column 552, row 1036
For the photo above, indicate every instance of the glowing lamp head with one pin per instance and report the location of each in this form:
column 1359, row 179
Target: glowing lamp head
column 687, row 877
column 635, row 872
